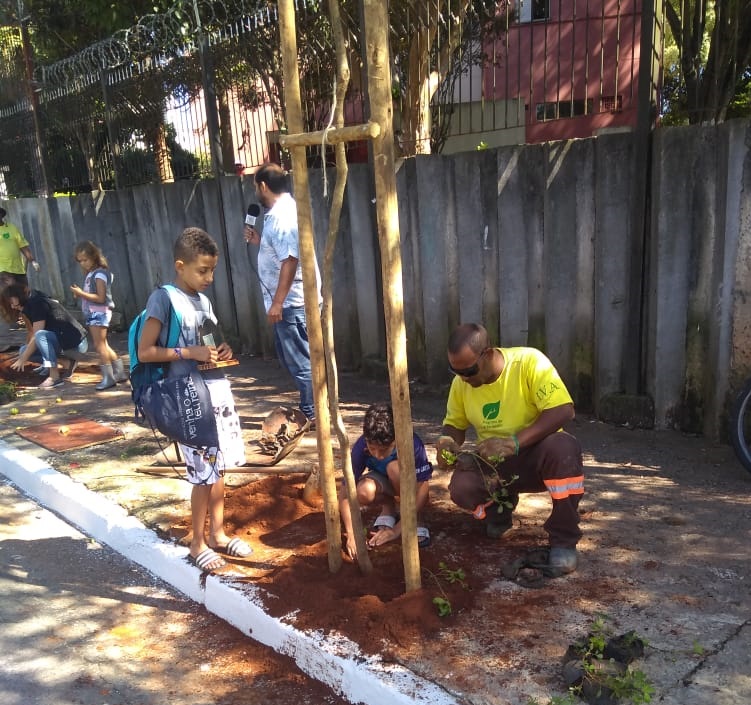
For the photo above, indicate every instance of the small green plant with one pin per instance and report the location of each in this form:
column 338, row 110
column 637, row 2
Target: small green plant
column 443, row 605
column 481, row 146
column 451, row 576
column 630, row 686
column 7, row 392
column 497, row 494
column 697, row 649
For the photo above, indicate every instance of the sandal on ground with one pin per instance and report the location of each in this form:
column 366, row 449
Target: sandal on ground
column 208, row 560
column 50, row 383
column 423, row 537
column 384, row 521
column 235, row 548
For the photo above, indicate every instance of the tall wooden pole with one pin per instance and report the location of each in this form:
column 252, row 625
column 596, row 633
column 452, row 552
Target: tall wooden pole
column 310, row 286
column 378, row 68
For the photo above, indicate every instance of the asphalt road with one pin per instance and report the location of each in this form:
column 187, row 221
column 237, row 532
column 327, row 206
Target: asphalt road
column 81, row 625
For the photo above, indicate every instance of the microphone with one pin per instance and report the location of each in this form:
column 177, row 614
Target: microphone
column 254, row 210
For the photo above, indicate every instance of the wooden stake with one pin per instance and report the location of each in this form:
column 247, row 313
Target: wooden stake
column 307, row 259
column 376, row 23
column 327, row 312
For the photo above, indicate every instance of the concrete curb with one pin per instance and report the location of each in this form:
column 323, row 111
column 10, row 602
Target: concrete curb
column 335, row 661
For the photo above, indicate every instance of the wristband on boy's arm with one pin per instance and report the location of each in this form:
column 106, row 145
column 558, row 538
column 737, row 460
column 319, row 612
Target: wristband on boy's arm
column 179, row 353
column 516, row 443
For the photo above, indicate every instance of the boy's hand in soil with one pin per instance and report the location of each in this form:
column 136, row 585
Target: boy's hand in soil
column 446, row 449
column 351, row 547
column 384, row 535
column 494, row 448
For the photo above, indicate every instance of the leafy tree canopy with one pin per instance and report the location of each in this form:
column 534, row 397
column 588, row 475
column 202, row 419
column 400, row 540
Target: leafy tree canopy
column 707, row 61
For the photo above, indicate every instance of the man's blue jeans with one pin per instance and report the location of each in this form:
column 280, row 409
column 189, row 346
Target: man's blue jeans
column 48, row 348
column 293, row 351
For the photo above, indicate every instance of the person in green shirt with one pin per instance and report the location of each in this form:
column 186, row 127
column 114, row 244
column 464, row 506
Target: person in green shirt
column 517, row 403
column 15, row 253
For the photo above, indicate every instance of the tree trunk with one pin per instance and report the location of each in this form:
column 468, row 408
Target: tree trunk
column 225, row 133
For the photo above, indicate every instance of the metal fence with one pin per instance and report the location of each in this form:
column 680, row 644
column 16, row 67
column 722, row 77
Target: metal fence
column 198, row 91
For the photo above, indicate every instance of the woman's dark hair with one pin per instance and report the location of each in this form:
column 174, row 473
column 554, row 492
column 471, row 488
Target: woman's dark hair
column 13, row 291
column 378, row 426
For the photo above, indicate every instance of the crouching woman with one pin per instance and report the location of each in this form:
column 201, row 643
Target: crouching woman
column 51, row 332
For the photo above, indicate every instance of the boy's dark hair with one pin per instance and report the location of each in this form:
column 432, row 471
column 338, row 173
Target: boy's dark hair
column 273, row 176
column 3, row 213
column 378, row 426
column 192, row 243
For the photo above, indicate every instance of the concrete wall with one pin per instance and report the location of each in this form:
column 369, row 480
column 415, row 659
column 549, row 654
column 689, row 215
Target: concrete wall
column 534, row 241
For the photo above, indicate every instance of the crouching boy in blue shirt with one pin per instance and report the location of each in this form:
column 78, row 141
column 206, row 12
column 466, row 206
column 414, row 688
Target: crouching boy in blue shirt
column 376, row 470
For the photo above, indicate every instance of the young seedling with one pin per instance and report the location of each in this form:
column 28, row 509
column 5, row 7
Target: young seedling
column 443, row 606
column 609, row 676
column 496, row 486
column 452, row 576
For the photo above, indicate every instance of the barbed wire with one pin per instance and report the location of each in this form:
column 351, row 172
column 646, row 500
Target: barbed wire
column 175, row 30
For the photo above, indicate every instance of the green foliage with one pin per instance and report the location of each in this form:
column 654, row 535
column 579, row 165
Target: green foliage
column 631, row 686
column 7, row 392
column 448, row 575
column 456, row 575
column 443, row 606
column 706, row 68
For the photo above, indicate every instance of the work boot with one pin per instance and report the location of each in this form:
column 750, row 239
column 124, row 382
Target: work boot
column 563, row 560
column 118, row 369
column 108, row 378
column 497, row 524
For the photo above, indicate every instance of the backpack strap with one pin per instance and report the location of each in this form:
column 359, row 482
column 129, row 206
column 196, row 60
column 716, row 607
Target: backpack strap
column 172, row 292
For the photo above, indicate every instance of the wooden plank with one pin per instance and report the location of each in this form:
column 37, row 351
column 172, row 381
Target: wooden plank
column 334, row 135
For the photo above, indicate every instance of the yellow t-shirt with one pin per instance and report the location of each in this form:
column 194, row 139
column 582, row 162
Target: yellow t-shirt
column 11, row 242
column 528, row 385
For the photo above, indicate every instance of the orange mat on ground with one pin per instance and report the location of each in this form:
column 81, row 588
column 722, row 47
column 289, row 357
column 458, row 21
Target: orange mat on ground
column 69, row 435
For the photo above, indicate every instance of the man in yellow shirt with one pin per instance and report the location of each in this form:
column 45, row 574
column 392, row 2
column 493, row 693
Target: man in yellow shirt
column 14, row 254
column 517, row 403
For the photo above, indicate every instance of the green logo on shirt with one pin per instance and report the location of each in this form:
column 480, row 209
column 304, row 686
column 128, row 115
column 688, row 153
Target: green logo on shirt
column 491, row 411
column 6, row 235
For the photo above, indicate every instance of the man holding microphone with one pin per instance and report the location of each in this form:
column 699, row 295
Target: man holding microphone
column 281, row 277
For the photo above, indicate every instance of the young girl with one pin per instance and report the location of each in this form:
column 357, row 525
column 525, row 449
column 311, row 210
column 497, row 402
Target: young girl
column 97, row 305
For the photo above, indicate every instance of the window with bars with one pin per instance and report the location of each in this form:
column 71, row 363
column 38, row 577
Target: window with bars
column 554, row 110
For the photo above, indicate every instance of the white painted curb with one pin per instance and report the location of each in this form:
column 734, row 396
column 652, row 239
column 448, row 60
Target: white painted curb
column 335, row 661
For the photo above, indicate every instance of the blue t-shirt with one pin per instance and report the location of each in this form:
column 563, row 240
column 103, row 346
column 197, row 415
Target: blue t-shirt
column 362, row 460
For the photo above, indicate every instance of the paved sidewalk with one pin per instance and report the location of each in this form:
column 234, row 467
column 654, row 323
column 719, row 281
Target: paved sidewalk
column 667, row 528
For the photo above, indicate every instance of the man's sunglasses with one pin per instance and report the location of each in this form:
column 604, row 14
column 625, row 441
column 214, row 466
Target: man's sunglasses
column 468, row 371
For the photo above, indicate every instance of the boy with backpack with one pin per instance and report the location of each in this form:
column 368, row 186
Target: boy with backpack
column 196, row 255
